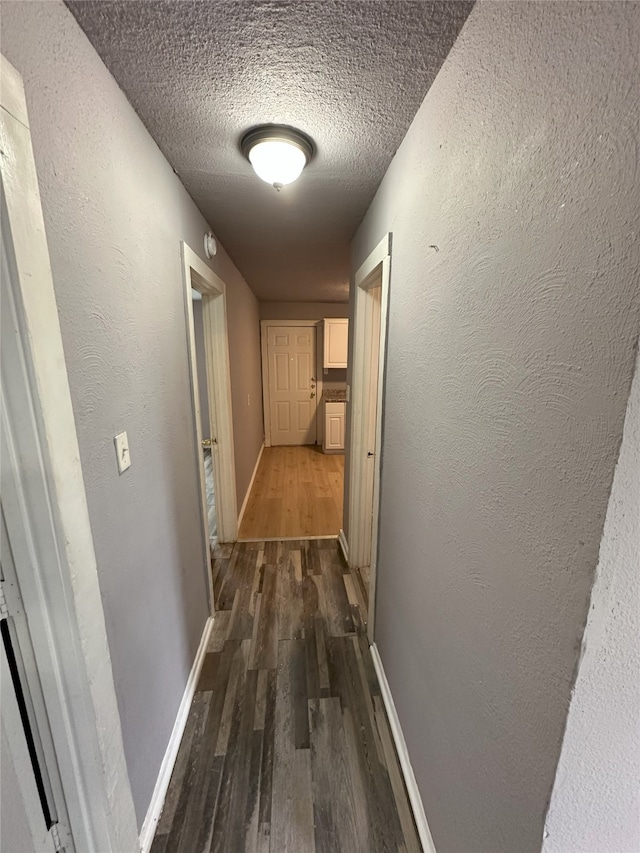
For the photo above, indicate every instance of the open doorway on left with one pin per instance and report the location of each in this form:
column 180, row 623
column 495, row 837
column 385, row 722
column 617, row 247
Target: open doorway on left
column 205, row 418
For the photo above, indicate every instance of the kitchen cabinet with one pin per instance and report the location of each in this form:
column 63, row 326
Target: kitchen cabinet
column 333, row 440
column 336, row 337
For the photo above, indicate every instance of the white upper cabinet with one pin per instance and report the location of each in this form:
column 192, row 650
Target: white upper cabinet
column 336, row 337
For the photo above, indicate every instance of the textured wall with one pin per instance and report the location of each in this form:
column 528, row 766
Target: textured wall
column 595, row 802
column 513, row 322
column 302, row 310
column 243, row 322
column 115, row 214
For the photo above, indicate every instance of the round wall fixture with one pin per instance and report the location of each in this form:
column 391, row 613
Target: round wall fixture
column 277, row 153
column 210, row 245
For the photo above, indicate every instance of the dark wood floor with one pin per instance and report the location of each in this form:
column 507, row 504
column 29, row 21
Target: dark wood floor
column 287, row 748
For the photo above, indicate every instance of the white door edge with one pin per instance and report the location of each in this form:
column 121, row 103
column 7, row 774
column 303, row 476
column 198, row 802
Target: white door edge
column 363, row 536
column 198, row 276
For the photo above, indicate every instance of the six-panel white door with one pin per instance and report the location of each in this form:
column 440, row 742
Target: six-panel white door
column 292, row 385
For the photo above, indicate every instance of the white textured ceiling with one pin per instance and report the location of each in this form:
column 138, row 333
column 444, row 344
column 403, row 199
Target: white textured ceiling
column 350, row 74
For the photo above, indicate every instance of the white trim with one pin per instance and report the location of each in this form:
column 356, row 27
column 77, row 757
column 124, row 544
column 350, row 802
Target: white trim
column 198, row 276
column 46, row 511
column 344, row 545
column 403, row 755
column 381, row 251
column 248, row 492
column 266, row 408
column 166, row 768
column 367, row 386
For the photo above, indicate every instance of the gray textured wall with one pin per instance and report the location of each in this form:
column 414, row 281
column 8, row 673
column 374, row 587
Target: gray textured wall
column 302, row 310
column 115, row 214
column 243, row 322
column 595, row 801
column 511, row 351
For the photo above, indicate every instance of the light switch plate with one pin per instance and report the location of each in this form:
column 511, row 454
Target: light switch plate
column 122, row 452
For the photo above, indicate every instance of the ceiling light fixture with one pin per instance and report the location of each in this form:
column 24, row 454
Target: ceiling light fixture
column 277, row 153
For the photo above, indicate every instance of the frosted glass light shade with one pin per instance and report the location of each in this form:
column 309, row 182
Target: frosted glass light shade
column 277, row 162
column 277, row 153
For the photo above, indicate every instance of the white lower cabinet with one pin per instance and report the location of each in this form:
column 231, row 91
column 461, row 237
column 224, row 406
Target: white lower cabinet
column 333, row 440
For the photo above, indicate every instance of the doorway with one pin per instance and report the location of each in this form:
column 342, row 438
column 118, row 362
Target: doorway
column 298, row 485
column 290, row 381
column 207, row 342
column 367, row 394
column 205, row 418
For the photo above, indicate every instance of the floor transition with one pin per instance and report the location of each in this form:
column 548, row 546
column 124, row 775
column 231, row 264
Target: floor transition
column 297, row 491
column 287, row 748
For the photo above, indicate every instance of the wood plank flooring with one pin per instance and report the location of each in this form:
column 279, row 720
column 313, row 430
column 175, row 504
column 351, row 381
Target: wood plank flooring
column 287, row 747
column 298, row 491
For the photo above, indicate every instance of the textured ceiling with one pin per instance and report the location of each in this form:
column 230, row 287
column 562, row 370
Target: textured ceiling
column 350, row 74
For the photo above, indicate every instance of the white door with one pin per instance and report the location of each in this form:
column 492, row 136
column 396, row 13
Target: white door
column 367, row 394
column 369, row 450
column 291, row 351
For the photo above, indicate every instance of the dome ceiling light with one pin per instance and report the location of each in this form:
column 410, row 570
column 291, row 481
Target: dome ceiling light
column 277, row 153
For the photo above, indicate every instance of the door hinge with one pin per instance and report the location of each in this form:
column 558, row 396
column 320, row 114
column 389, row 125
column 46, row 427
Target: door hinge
column 55, row 835
column 4, row 610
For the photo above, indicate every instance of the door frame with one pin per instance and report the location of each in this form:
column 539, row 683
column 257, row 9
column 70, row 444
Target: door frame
column 264, row 340
column 47, row 515
column 364, row 383
column 198, row 276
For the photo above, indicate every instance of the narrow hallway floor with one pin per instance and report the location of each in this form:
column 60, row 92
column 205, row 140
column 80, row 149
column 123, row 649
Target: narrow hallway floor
column 287, row 748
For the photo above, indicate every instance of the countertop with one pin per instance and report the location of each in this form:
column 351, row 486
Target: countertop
column 335, row 395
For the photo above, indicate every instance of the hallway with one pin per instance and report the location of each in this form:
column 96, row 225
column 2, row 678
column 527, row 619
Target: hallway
column 448, row 187
column 287, row 748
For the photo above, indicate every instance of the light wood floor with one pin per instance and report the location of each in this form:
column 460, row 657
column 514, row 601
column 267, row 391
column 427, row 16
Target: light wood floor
column 298, row 491
column 287, row 748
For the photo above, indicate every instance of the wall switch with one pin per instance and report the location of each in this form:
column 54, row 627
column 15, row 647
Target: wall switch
column 348, row 394
column 122, row 452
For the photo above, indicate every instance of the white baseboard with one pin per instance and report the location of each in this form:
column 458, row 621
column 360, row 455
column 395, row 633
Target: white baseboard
column 166, row 768
column 401, row 748
column 246, row 497
column 344, row 547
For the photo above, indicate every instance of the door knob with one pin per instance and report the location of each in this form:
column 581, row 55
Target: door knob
column 313, row 394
